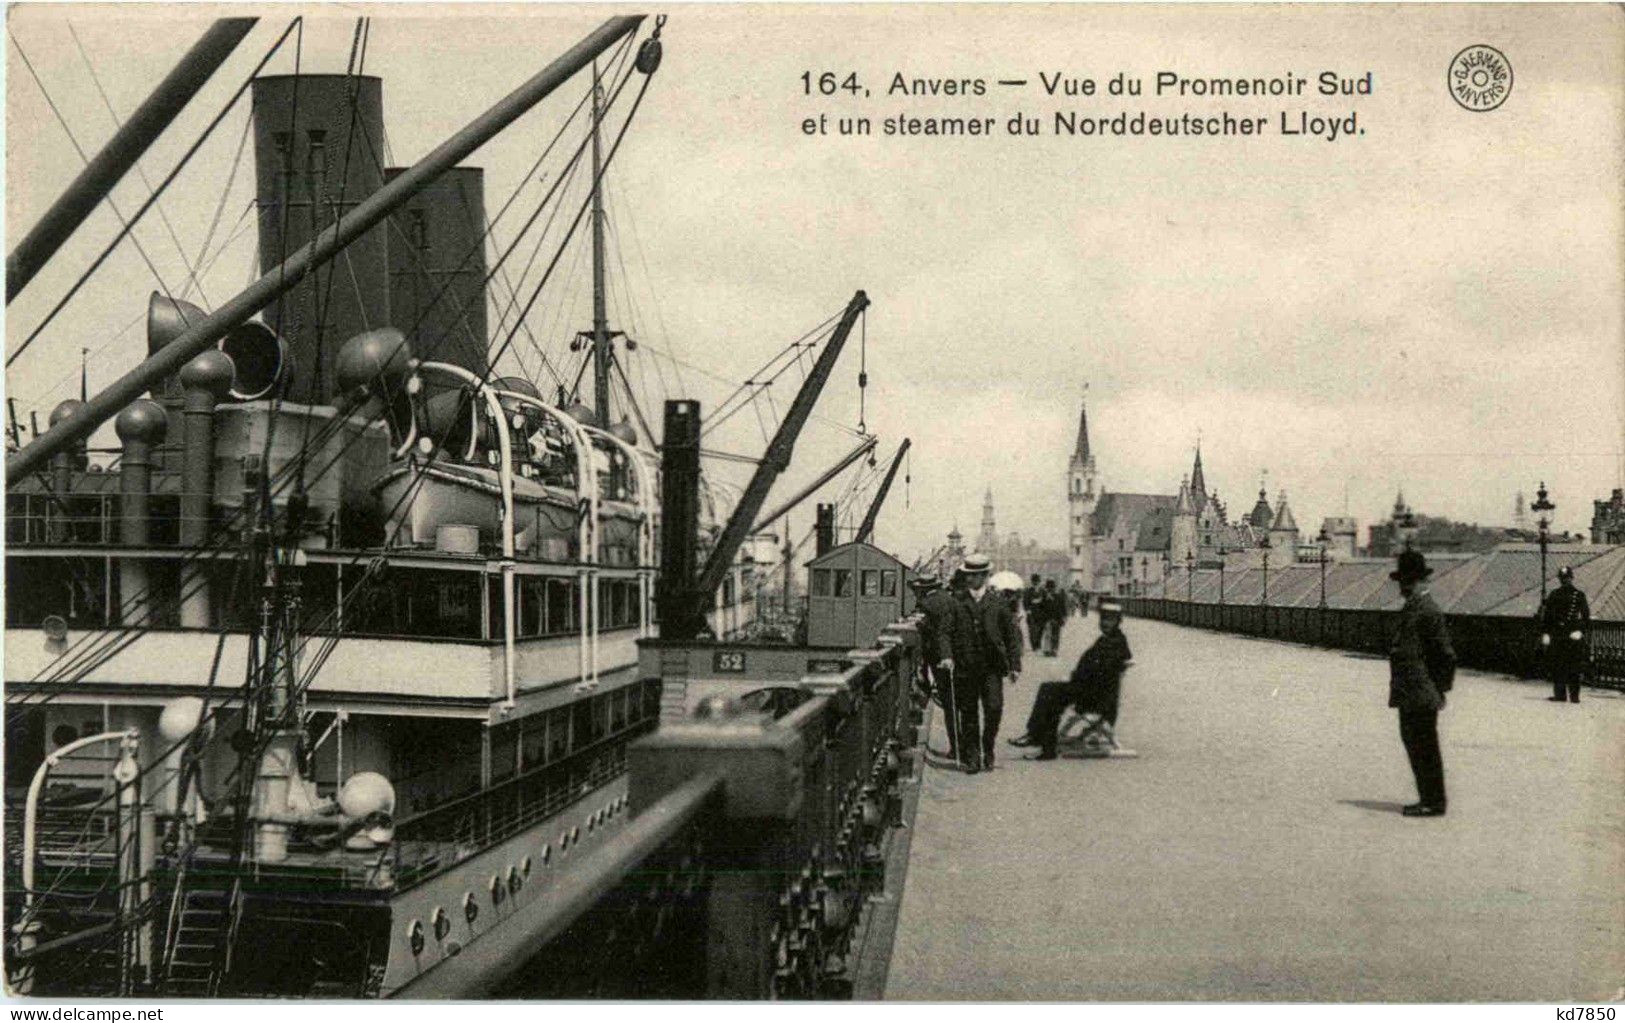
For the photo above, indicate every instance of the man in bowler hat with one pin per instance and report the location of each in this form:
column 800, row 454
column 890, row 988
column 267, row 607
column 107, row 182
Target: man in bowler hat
column 1422, row 666
column 1565, row 618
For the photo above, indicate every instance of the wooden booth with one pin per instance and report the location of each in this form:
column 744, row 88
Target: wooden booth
column 854, row 591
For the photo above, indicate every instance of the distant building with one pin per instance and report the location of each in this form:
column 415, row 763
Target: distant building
column 1343, row 535
column 1012, row 554
column 1434, row 535
column 1398, row 533
column 1608, row 519
column 1133, row 543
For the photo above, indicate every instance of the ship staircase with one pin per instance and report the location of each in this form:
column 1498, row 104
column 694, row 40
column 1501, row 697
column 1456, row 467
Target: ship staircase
column 204, row 917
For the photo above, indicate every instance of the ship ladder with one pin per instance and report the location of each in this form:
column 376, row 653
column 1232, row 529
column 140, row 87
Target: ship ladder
column 199, row 951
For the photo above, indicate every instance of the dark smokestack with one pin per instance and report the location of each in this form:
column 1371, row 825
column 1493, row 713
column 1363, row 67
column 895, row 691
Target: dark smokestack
column 824, row 529
column 431, row 236
column 680, row 617
column 317, row 149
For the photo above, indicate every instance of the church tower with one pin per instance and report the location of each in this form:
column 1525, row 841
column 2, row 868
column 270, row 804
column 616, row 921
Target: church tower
column 987, row 539
column 1082, row 495
column 1284, row 531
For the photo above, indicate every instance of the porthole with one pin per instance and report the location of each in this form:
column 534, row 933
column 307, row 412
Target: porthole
column 471, row 908
column 442, row 924
column 547, row 853
column 515, row 881
column 498, row 890
column 524, row 865
column 414, row 935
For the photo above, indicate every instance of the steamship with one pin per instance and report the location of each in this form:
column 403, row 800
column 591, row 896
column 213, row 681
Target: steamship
column 327, row 671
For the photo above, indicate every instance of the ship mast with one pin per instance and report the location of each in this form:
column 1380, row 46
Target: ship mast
column 602, row 336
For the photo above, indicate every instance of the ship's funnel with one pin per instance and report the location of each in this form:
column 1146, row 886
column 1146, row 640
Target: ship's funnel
column 263, row 364
column 314, row 137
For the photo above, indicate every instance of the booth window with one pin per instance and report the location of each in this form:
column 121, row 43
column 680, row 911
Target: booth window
column 820, row 582
column 843, row 582
column 888, row 582
column 870, row 582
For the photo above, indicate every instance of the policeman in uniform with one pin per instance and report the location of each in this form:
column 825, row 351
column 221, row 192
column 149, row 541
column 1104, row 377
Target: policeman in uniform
column 986, row 649
column 1565, row 621
column 937, row 608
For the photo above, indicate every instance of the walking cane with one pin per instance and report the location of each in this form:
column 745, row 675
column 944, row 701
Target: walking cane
column 953, row 715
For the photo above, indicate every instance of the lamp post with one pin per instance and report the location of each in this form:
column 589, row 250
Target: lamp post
column 1323, row 539
column 1544, row 507
column 1264, row 597
column 1190, row 568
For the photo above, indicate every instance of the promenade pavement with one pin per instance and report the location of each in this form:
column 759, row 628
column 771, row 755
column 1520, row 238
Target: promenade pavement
column 1255, row 852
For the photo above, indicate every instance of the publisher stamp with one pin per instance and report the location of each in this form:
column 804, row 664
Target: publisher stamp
column 1480, row 78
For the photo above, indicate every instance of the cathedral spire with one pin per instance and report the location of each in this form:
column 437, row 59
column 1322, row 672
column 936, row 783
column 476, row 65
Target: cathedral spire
column 1198, row 483
column 1080, row 453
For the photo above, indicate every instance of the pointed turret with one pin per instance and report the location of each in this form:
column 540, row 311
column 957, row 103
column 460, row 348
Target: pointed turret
column 1183, row 505
column 1198, row 481
column 1261, row 516
column 1080, row 453
column 1283, row 516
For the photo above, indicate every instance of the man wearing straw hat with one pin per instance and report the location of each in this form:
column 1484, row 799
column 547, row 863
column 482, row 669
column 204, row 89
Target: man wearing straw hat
column 986, row 648
column 1421, row 668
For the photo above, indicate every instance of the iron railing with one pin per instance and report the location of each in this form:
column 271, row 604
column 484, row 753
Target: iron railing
column 1489, row 642
column 745, row 871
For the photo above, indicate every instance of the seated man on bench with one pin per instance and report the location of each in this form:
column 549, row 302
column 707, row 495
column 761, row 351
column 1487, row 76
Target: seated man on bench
column 1093, row 689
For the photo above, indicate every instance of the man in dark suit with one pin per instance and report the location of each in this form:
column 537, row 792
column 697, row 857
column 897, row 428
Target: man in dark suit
column 1094, row 687
column 1565, row 618
column 938, row 608
column 1421, row 666
column 1032, row 601
column 986, row 648
column 1054, row 603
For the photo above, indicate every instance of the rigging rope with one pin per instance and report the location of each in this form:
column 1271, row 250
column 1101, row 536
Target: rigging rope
column 111, row 204
column 162, row 186
column 139, row 169
column 114, row 643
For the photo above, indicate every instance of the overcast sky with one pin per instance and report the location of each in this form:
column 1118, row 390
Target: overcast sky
column 1436, row 304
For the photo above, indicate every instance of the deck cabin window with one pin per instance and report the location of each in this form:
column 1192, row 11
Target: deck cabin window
column 821, row 583
column 888, row 582
column 75, row 588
